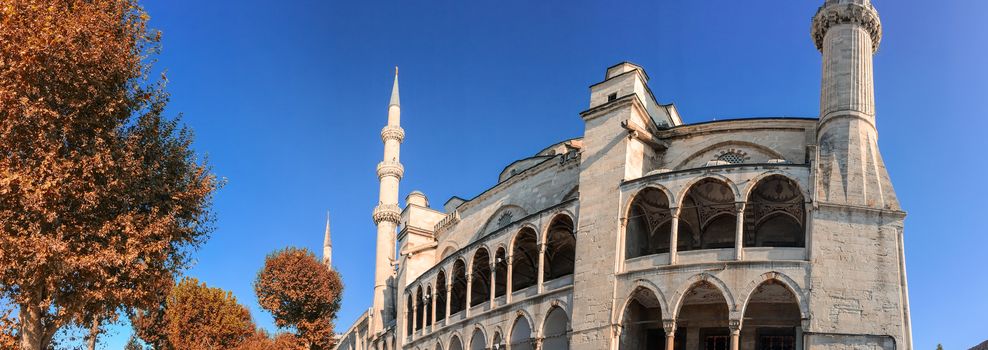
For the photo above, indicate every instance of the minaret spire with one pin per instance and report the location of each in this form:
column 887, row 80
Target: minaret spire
column 327, row 246
column 387, row 214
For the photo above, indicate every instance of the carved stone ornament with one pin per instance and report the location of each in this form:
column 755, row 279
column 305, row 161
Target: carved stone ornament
column 392, row 133
column 387, row 212
column 863, row 15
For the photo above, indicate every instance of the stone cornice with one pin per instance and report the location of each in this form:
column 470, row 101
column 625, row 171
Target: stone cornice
column 831, row 15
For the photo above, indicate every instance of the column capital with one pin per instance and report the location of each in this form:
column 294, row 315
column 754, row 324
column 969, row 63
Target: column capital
column 735, row 326
column 836, row 13
column 669, row 326
column 739, row 206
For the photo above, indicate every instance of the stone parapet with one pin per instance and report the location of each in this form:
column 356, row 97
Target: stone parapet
column 828, row 16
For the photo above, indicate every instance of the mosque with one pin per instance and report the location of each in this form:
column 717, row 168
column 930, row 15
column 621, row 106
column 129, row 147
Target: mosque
column 648, row 233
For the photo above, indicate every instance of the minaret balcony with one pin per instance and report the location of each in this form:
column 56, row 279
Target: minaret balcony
column 387, row 212
column 392, row 132
column 388, row 168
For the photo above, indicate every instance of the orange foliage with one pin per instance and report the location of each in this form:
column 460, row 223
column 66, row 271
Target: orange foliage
column 101, row 197
column 301, row 293
column 200, row 317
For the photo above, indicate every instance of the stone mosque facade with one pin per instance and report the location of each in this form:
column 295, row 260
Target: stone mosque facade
column 648, row 233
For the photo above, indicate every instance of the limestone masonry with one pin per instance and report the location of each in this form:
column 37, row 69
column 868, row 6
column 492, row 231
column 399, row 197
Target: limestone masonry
column 647, row 233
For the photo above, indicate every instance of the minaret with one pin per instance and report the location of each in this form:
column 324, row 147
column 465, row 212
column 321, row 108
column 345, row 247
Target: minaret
column 387, row 214
column 851, row 170
column 327, row 246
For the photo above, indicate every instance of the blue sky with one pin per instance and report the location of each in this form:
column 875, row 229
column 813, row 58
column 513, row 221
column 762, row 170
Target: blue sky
column 287, row 98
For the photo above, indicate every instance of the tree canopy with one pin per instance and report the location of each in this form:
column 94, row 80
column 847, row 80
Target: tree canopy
column 101, row 196
column 302, row 294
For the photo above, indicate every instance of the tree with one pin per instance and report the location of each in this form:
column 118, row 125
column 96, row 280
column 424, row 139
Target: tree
column 199, row 317
column 939, row 346
column 261, row 341
column 101, row 197
column 133, row 344
column 302, row 294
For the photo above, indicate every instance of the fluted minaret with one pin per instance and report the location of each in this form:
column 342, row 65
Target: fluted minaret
column 387, row 213
column 847, row 33
column 327, row 246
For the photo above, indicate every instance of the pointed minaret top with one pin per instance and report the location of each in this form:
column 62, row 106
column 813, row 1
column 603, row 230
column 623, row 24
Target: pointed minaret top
column 394, row 91
column 327, row 246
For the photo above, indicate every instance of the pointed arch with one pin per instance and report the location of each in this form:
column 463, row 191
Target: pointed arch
column 521, row 332
column 524, row 259
column 784, row 280
column 478, row 338
column 555, row 329
column 642, row 285
column 697, row 279
column 560, row 247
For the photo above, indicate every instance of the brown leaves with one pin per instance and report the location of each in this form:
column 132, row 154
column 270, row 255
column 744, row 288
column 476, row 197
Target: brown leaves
column 300, row 293
column 199, row 317
column 101, row 197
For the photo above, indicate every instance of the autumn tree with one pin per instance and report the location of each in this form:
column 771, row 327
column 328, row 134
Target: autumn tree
column 201, row 317
column 101, row 197
column 261, row 341
column 302, row 294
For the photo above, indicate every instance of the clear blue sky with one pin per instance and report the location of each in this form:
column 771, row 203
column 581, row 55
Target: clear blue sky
column 288, row 99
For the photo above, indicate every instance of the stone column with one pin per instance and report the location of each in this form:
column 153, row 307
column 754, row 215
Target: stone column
column 449, row 298
column 493, row 279
column 735, row 326
column 466, row 307
column 508, row 280
column 414, row 311
column 537, row 343
column 674, row 237
column 739, row 232
column 670, row 328
column 432, row 310
column 540, row 268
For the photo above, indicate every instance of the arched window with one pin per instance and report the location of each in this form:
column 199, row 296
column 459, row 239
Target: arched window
column 455, row 343
column 428, row 306
column 771, row 317
column 642, row 322
column 704, row 311
column 497, row 343
column 419, row 308
column 707, row 218
column 776, row 213
column 409, row 316
column 480, row 289
column 649, row 224
column 555, row 330
column 441, row 296
column 524, row 260
column 477, row 341
column 560, row 250
column 521, row 335
column 458, row 295
column 500, row 272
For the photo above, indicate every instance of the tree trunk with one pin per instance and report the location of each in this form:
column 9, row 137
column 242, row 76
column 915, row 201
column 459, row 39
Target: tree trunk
column 93, row 335
column 32, row 327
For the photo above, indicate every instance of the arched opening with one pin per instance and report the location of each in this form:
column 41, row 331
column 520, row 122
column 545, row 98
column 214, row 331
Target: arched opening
column 500, row 272
column 480, row 289
column 458, row 294
column 703, row 318
column 428, row 306
column 439, row 346
column 455, row 343
column 555, row 331
column 642, row 322
column 521, row 335
column 649, row 224
column 477, row 341
column 419, row 309
column 441, row 296
column 409, row 316
column 497, row 343
column 771, row 319
column 707, row 217
column 560, row 249
column 775, row 214
column 525, row 260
